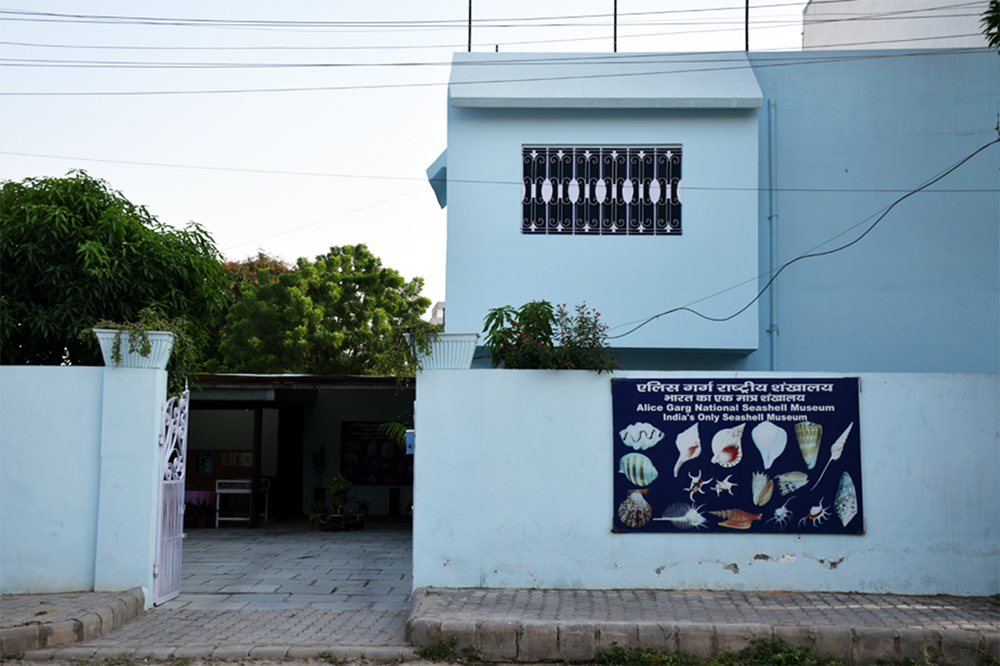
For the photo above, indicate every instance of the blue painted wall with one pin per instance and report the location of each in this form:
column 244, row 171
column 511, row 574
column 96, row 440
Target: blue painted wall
column 79, row 468
column 853, row 133
column 514, row 488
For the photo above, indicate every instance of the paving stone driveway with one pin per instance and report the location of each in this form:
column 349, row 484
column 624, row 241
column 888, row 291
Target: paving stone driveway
column 281, row 586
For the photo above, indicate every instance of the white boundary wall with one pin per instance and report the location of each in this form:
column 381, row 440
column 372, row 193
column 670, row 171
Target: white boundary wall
column 79, row 462
column 514, row 473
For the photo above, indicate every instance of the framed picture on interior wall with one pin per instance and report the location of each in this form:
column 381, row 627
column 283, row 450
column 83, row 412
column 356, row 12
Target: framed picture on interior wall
column 369, row 456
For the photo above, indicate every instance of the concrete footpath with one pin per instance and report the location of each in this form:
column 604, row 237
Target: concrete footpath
column 287, row 593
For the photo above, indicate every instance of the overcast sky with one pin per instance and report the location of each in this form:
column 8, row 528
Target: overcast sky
column 274, row 167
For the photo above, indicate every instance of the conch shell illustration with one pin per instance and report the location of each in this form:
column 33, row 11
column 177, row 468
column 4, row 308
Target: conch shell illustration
column 846, row 502
column 634, row 510
column 727, row 448
column 688, row 446
column 789, row 482
column 641, row 436
column 638, row 468
column 737, row 519
column 809, row 434
column 836, row 451
column 763, row 488
column 770, row 440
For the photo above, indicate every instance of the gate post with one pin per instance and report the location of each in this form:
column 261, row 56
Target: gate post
column 130, row 467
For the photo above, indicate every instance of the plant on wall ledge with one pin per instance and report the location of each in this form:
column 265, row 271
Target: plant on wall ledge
column 538, row 336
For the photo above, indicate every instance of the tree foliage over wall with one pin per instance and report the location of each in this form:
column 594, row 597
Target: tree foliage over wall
column 991, row 23
column 339, row 315
column 74, row 251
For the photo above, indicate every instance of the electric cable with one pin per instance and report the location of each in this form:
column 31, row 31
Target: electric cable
column 808, row 255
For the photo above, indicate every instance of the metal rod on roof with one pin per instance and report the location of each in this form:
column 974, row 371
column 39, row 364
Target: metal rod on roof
column 746, row 30
column 470, row 26
column 616, row 26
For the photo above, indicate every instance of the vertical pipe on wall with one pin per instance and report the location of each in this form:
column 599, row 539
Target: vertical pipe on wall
column 772, row 224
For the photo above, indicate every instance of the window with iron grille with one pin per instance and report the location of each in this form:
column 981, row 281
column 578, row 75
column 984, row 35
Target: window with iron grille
column 601, row 190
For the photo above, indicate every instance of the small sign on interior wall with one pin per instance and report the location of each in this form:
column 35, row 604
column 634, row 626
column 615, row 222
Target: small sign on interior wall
column 737, row 455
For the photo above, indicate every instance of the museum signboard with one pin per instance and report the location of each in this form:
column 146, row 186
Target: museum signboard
column 737, row 455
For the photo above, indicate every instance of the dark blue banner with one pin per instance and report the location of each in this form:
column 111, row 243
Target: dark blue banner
column 737, row 455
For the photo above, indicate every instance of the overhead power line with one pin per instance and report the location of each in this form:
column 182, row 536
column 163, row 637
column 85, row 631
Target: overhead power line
column 811, row 254
column 799, row 60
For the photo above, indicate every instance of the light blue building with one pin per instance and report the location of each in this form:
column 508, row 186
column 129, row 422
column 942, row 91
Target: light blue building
column 644, row 183
column 783, row 155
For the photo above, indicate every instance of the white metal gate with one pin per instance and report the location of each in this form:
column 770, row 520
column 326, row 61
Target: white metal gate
column 170, row 523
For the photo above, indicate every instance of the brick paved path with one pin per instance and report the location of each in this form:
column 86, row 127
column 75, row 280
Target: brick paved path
column 274, row 589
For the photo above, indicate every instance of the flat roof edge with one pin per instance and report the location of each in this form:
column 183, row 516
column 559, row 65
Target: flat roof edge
column 473, row 102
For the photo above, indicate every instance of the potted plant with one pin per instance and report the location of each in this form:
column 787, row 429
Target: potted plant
column 318, row 516
column 153, row 341
column 339, row 488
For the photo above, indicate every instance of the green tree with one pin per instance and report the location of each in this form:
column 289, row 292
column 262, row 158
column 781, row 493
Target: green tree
column 339, row 315
column 73, row 251
column 239, row 275
column 991, row 23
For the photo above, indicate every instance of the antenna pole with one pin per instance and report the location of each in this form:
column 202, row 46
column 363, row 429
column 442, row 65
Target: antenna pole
column 616, row 26
column 470, row 25
column 746, row 29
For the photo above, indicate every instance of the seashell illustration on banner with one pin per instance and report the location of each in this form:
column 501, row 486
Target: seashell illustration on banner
column 762, row 487
column 634, row 510
column 641, row 436
column 727, row 446
column 809, row 435
column 846, row 502
column 789, row 482
column 770, row 440
column 688, row 447
column 684, row 516
column 638, row 468
column 738, row 519
column 836, row 451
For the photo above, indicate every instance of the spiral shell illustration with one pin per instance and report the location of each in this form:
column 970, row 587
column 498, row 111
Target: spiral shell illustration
column 846, row 502
column 638, row 468
column 688, row 447
column 763, row 488
column 641, row 436
column 737, row 519
column 789, row 482
column 770, row 440
column 809, row 435
column 634, row 510
column 727, row 447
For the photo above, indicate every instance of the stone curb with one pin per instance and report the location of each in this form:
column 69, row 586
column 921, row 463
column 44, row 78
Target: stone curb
column 537, row 641
column 227, row 653
column 88, row 625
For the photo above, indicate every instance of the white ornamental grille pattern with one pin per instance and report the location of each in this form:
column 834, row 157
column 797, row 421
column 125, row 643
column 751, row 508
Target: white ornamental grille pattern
column 601, row 190
column 170, row 522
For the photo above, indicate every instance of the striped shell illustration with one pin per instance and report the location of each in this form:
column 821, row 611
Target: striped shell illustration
column 727, row 447
column 809, row 435
column 641, row 436
column 638, row 468
column 789, row 482
column 634, row 510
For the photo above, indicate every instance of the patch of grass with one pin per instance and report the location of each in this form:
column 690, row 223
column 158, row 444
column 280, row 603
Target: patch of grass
column 330, row 658
column 442, row 649
column 125, row 660
column 42, row 612
column 762, row 652
column 181, row 661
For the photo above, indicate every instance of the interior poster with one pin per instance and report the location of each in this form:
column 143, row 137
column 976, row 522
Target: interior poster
column 737, row 455
column 369, row 456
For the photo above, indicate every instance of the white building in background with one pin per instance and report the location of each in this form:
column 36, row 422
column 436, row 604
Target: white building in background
column 892, row 24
